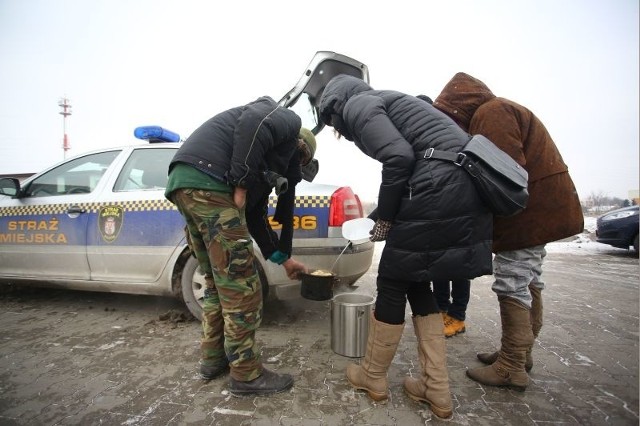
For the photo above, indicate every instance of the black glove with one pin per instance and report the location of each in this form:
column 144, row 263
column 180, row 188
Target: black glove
column 380, row 230
column 279, row 183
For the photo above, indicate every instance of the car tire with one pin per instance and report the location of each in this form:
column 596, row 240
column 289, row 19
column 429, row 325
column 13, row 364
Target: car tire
column 635, row 244
column 193, row 285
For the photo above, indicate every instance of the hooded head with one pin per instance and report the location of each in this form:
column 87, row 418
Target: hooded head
column 334, row 97
column 426, row 99
column 309, row 144
column 461, row 97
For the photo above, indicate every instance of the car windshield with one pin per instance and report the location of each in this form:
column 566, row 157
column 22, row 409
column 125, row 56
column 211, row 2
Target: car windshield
column 74, row 177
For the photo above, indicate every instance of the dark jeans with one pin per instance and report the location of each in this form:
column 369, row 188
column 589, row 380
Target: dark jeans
column 391, row 301
column 453, row 299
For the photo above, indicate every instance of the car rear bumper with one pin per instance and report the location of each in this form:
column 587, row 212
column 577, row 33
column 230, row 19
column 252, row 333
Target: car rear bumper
column 352, row 264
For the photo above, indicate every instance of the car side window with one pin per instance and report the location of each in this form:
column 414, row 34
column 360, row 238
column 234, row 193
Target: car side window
column 78, row 176
column 146, row 169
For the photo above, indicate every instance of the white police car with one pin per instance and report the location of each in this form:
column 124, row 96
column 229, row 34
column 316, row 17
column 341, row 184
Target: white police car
column 100, row 222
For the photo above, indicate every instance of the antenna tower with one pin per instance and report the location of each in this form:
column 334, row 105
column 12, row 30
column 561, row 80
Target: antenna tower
column 65, row 112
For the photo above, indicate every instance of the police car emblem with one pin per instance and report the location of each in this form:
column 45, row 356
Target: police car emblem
column 110, row 222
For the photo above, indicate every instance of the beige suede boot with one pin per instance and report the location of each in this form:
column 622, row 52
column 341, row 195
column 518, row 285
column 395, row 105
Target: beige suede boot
column 371, row 374
column 536, row 325
column 508, row 369
column 432, row 386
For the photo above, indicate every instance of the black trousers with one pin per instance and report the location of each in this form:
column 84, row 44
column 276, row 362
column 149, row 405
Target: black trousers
column 453, row 298
column 393, row 295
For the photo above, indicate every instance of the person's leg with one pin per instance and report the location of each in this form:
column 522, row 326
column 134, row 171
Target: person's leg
column 385, row 331
column 213, row 361
column 536, row 287
column 442, row 293
column 432, row 386
column 460, row 293
column 454, row 318
column 230, row 250
column 513, row 271
column 391, row 300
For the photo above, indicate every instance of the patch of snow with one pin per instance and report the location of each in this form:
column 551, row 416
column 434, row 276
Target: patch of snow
column 583, row 243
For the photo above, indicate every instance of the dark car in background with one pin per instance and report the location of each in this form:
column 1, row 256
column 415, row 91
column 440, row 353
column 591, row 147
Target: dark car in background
column 619, row 228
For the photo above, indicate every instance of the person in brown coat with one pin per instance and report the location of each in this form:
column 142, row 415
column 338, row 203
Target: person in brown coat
column 553, row 212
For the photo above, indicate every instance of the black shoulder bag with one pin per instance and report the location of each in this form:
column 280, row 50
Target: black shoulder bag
column 500, row 181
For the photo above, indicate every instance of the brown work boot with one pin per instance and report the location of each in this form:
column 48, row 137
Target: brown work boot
column 371, row 374
column 432, row 386
column 452, row 326
column 508, row 369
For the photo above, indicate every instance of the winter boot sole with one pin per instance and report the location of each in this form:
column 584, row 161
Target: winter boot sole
column 440, row 412
column 462, row 330
column 507, row 385
column 376, row 396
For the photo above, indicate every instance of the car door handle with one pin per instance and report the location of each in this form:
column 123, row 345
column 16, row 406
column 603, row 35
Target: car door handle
column 75, row 209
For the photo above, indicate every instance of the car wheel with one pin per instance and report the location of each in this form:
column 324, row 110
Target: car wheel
column 193, row 285
column 635, row 243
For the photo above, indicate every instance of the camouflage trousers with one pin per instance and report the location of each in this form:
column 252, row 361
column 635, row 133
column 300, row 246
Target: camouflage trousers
column 232, row 309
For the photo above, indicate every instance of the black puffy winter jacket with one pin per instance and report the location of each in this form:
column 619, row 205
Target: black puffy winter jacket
column 441, row 229
column 237, row 146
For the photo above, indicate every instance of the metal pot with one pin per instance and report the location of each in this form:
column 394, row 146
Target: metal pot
column 317, row 287
column 350, row 314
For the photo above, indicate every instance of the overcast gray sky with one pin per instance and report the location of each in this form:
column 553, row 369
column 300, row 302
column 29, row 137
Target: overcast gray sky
column 125, row 63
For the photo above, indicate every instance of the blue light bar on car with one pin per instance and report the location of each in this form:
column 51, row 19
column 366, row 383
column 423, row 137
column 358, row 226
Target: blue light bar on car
column 155, row 134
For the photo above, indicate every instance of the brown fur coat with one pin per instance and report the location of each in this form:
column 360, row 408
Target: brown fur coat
column 553, row 211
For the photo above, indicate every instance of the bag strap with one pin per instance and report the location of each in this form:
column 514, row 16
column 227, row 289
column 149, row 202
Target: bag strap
column 460, row 159
column 454, row 157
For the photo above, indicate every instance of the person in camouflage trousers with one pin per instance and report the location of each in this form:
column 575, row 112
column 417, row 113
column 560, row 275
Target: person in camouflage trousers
column 220, row 180
column 220, row 240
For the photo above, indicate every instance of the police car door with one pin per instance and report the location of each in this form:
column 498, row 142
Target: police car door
column 43, row 232
column 137, row 230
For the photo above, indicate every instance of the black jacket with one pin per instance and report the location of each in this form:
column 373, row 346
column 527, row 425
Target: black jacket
column 441, row 229
column 238, row 146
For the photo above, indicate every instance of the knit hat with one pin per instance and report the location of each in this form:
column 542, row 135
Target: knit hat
column 307, row 136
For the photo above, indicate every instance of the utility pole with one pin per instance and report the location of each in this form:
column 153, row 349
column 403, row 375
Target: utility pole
column 66, row 111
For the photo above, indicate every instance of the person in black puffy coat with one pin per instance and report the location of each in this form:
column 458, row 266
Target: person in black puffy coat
column 434, row 223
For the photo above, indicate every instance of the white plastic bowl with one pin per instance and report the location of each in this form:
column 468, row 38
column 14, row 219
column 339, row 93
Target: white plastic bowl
column 357, row 230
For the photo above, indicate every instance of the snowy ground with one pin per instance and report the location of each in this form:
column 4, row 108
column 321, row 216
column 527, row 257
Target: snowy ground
column 583, row 243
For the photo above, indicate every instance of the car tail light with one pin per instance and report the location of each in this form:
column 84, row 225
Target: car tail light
column 345, row 205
